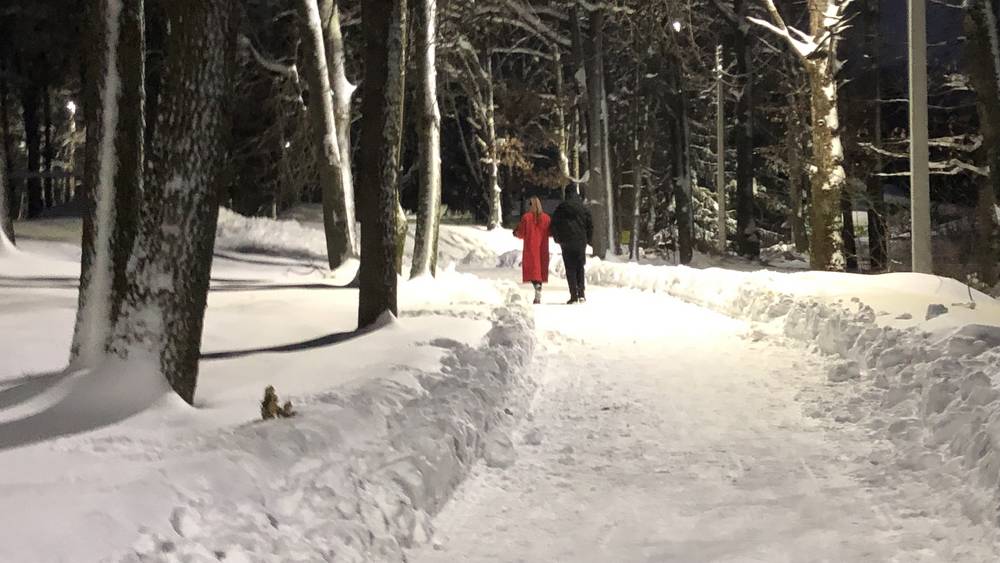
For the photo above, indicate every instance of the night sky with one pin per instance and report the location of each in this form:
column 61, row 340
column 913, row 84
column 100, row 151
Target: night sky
column 944, row 25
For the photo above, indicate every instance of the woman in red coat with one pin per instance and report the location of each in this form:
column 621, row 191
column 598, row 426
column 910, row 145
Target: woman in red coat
column 534, row 230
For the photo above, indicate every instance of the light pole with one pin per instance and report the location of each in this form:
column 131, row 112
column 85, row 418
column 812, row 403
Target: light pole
column 920, row 201
column 720, row 150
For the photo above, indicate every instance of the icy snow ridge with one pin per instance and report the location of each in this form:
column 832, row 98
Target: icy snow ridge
column 356, row 475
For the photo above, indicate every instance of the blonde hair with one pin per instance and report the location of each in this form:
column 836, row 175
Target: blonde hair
column 535, row 205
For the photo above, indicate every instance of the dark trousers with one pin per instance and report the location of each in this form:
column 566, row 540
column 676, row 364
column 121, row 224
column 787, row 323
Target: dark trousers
column 575, row 258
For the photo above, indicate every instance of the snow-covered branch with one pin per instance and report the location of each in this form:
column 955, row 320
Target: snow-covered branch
column 288, row 71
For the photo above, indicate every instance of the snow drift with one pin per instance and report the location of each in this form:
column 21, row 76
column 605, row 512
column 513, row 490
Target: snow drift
column 356, row 476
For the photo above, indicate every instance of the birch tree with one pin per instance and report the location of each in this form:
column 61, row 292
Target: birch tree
column 817, row 50
column 338, row 195
column 343, row 90
column 429, row 211
column 380, row 132
column 168, row 274
column 113, row 174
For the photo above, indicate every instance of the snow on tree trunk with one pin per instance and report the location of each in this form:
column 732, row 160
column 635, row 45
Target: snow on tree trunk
column 343, row 90
column 562, row 136
column 493, row 157
column 818, row 53
column 168, row 274
column 428, row 214
column 113, row 175
column 337, row 215
column 382, row 22
column 827, row 182
column 396, row 155
column 983, row 62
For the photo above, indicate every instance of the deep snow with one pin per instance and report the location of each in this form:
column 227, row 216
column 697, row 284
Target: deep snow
column 822, row 418
column 681, row 436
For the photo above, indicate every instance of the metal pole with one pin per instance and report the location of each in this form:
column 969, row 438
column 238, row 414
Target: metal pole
column 920, row 214
column 720, row 150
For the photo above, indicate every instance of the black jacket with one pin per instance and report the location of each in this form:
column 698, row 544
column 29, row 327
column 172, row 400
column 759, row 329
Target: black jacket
column 572, row 225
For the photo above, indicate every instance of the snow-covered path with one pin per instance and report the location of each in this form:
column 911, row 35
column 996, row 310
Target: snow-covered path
column 665, row 432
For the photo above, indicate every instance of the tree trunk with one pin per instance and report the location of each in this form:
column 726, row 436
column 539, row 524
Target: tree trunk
column 8, row 210
column 827, row 182
column 610, row 195
column 337, row 217
column 382, row 25
column 983, row 62
column 581, row 101
column 683, row 203
column 169, row 272
column 48, row 151
column 638, row 159
column 747, row 239
column 113, row 175
column 13, row 203
column 33, row 141
column 425, row 242
column 155, row 34
column 847, row 230
column 493, row 176
column 343, row 90
column 878, row 236
column 562, row 137
column 796, row 215
column 597, row 186
column 6, row 221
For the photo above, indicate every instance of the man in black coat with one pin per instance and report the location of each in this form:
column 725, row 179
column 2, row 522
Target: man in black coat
column 573, row 228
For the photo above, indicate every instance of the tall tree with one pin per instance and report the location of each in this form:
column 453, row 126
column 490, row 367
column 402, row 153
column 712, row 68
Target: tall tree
column 343, row 90
column 6, row 221
column 983, row 61
column 113, row 175
column 168, row 274
column 382, row 22
column 30, row 98
column 818, row 52
column 681, row 151
column 429, row 210
column 598, row 151
column 740, row 39
column 338, row 199
column 7, row 138
column 48, row 151
column 878, row 234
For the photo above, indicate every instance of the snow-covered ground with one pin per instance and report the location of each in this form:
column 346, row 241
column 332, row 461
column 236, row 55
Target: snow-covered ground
column 684, row 414
column 684, row 435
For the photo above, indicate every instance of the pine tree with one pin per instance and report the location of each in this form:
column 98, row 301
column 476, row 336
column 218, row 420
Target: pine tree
column 168, row 275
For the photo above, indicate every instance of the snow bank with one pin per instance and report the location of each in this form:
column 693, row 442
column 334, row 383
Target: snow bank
column 302, row 237
column 356, row 476
column 928, row 386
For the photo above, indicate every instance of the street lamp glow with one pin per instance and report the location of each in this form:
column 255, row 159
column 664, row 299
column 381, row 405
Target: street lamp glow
column 677, row 26
column 71, row 107
column 288, row 144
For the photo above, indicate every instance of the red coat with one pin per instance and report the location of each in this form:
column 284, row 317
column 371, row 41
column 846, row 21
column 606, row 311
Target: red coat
column 535, row 233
